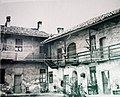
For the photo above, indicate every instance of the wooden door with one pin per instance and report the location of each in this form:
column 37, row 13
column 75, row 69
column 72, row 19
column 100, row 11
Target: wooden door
column 17, row 84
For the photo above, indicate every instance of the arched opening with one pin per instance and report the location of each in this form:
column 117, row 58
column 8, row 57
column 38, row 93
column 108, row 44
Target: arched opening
column 74, row 86
column 71, row 50
column 74, row 76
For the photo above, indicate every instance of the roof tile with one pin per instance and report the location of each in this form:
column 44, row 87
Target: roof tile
column 23, row 31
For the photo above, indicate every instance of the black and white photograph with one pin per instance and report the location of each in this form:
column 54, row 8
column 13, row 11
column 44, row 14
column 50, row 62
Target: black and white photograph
column 60, row 48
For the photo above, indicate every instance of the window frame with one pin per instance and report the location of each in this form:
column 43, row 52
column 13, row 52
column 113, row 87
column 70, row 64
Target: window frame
column 51, row 77
column 101, row 44
column 71, row 47
column 59, row 53
column 18, row 45
column 93, row 42
column 42, row 77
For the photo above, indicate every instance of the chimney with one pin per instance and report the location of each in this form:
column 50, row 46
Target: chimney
column 7, row 24
column 60, row 30
column 39, row 25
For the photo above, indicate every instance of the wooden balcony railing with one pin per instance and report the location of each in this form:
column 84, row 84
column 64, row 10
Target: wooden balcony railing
column 98, row 55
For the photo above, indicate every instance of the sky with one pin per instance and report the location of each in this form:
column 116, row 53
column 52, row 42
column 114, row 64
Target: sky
column 53, row 13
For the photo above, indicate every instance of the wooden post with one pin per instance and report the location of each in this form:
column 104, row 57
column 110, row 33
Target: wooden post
column 90, row 45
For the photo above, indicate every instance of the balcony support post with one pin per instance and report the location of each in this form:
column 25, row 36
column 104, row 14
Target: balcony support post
column 90, row 45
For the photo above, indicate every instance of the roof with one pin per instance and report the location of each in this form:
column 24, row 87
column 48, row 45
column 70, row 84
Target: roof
column 23, row 31
column 85, row 25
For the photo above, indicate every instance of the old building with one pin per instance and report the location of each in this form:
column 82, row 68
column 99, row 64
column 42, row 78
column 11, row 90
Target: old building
column 87, row 55
column 22, row 66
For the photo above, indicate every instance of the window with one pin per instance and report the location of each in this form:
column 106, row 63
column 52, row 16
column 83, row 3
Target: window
column 51, row 77
column 19, row 45
column 2, row 76
column 4, row 42
column 59, row 53
column 93, row 42
column 102, row 45
column 42, row 75
column 71, row 50
column 41, row 49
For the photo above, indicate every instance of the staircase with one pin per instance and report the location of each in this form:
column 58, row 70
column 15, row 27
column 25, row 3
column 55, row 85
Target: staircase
column 51, row 64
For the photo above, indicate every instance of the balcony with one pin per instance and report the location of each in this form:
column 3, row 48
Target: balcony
column 21, row 53
column 98, row 55
column 72, row 59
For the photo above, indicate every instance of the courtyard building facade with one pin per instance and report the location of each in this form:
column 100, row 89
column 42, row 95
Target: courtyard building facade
column 86, row 57
column 22, row 67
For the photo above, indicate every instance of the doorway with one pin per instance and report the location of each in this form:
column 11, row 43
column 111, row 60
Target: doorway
column 74, row 88
column 105, row 81
column 2, row 76
column 93, row 88
column 74, row 77
column 65, row 81
column 17, row 84
column 43, row 80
